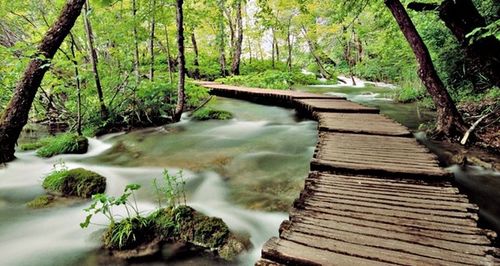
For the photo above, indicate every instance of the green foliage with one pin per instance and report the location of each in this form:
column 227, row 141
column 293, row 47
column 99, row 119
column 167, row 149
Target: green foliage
column 208, row 113
column 128, row 233
column 271, row 79
column 172, row 192
column 75, row 182
column 62, row 144
column 33, row 145
column 409, row 92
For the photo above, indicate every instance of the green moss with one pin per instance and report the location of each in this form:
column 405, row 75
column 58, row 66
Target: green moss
column 32, row 146
column 63, row 144
column 76, row 182
column 40, row 202
column 129, row 233
column 208, row 113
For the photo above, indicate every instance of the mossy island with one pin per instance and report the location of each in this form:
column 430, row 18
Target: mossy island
column 67, row 143
column 63, row 184
column 209, row 113
column 146, row 236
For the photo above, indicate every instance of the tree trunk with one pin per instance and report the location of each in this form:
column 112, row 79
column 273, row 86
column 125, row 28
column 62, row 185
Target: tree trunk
column 273, row 52
column 16, row 114
column 222, row 55
column 289, row 44
column 93, row 60
column 78, row 87
column 151, row 41
column 136, row 43
column 181, row 96
column 196, row 73
column 462, row 17
column 169, row 62
column 235, row 67
column 449, row 121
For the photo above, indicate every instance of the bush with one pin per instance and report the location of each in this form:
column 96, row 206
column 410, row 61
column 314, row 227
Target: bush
column 62, row 144
column 271, row 79
column 76, row 182
column 208, row 113
column 409, row 92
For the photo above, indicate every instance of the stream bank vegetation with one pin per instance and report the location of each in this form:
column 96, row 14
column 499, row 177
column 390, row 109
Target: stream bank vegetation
column 91, row 78
column 172, row 222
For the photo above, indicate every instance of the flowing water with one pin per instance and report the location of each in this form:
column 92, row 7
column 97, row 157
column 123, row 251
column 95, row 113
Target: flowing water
column 246, row 171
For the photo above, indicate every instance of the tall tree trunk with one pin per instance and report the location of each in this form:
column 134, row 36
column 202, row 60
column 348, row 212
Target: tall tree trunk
column 151, row 41
column 196, row 73
column 273, row 48
column 93, row 60
column 289, row 44
column 462, row 17
column 235, row 66
column 181, row 96
column 136, row 43
column 16, row 114
column 449, row 120
column 78, row 87
column 169, row 57
column 220, row 37
column 250, row 50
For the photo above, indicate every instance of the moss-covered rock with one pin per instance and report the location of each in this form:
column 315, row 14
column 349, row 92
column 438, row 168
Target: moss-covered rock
column 40, row 202
column 63, row 144
column 208, row 113
column 133, row 237
column 75, row 182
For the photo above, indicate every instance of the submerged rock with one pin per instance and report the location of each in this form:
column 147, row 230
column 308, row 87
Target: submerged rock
column 75, row 182
column 209, row 113
column 40, row 202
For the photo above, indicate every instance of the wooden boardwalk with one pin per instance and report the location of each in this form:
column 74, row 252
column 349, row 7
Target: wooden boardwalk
column 374, row 195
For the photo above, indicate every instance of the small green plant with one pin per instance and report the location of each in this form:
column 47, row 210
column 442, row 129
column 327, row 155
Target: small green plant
column 173, row 192
column 103, row 204
column 55, row 180
column 77, row 182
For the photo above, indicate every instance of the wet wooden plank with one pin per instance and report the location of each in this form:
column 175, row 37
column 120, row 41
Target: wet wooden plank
column 333, row 105
column 373, row 124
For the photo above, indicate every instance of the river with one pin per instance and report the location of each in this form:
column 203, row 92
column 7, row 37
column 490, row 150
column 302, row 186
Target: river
column 247, row 171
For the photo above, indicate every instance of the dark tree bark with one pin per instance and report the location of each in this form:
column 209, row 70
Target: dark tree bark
column 15, row 115
column 78, row 87
column 196, row 63
column 238, row 43
column 181, row 96
column 449, row 120
column 94, row 61
column 220, row 39
column 462, row 17
column 169, row 57
column 289, row 44
column 136, row 42
column 151, row 41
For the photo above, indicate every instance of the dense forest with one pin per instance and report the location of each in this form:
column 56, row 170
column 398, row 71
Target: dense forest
column 119, row 63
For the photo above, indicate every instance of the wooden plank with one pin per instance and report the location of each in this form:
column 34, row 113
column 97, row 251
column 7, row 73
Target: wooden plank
column 333, row 105
column 373, row 124
column 292, row 253
column 475, row 238
column 378, row 249
column 315, row 226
